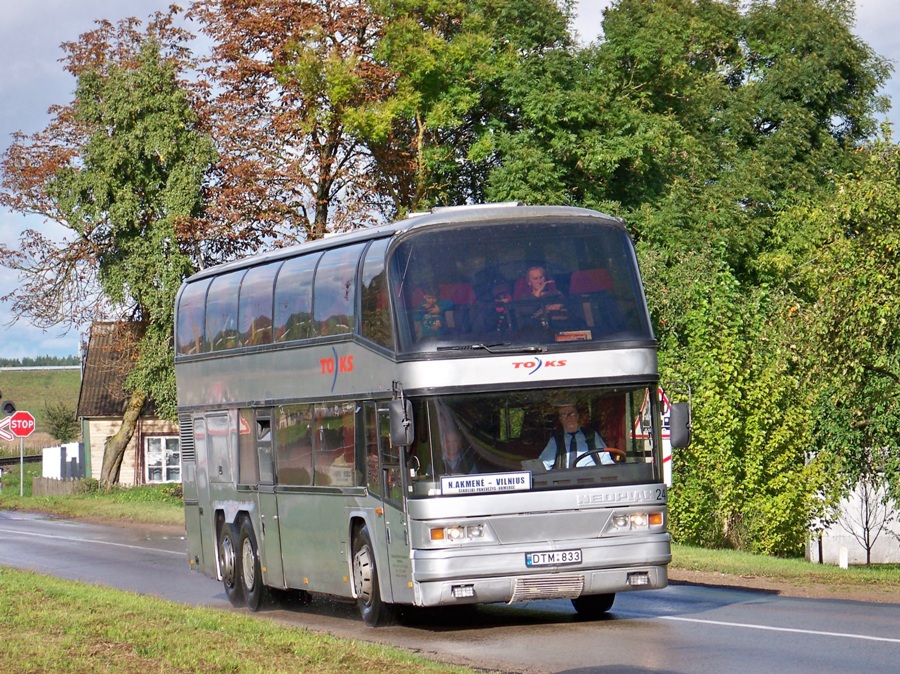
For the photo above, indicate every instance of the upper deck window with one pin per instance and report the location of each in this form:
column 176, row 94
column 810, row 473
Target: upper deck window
column 376, row 315
column 529, row 282
column 335, row 291
column 191, row 330
column 222, row 311
column 293, row 298
column 255, row 311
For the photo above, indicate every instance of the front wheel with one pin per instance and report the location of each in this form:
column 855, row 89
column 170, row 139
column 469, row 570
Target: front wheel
column 593, row 605
column 251, row 570
column 374, row 611
column 230, row 564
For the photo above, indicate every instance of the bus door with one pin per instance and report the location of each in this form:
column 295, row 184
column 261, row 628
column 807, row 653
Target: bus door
column 270, row 536
column 396, row 532
column 201, row 547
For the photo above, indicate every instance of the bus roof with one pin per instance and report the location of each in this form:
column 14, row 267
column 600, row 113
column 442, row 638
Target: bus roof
column 443, row 215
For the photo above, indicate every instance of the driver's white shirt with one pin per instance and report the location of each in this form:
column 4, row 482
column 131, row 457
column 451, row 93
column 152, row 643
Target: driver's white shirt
column 548, row 456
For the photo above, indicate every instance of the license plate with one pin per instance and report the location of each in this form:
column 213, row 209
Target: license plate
column 553, row 558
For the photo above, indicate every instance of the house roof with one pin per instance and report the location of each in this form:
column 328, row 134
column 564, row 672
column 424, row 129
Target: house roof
column 106, row 362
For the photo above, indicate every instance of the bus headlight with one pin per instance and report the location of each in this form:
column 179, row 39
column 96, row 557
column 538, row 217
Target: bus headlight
column 457, row 532
column 638, row 520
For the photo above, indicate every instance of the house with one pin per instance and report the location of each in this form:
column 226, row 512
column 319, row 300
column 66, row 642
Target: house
column 153, row 455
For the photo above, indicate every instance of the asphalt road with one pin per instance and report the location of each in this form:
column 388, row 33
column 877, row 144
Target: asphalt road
column 680, row 629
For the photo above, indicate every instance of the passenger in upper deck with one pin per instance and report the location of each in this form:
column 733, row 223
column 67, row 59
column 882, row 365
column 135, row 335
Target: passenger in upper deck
column 430, row 313
column 542, row 304
column 497, row 320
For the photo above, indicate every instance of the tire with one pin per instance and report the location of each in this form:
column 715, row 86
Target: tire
column 374, row 611
column 255, row 591
column 593, row 605
column 230, row 564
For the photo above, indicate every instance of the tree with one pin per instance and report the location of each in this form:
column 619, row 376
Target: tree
column 852, row 343
column 61, row 421
column 868, row 512
column 295, row 87
column 122, row 170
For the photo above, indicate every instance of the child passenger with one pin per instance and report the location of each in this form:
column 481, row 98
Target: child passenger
column 430, row 313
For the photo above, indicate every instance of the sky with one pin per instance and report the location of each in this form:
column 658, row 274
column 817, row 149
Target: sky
column 32, row 79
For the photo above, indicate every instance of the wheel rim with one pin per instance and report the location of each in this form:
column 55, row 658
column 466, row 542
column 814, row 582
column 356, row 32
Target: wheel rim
column 249, row 565
column 227, row 561
column 362, row 573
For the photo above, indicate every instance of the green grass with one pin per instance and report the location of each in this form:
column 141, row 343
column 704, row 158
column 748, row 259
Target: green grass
column 797, row 572
column 52, row 625
column 157, row 504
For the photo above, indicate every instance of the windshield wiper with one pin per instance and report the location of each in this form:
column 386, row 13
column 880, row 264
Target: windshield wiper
column 500, row 347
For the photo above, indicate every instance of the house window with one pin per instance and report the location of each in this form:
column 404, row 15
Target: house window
column 162, row 460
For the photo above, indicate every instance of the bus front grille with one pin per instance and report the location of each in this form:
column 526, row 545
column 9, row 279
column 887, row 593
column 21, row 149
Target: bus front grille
column 533, row 588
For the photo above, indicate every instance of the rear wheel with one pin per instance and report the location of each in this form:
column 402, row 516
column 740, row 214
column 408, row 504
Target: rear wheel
column 374, row 611
column 255, row 590
column 593, row 605
column 230, row 564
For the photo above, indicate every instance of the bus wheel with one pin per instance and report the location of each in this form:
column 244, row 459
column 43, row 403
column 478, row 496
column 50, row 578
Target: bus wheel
column 593, row 605
column 374, row 611
column 230, row 564
column 251, row 570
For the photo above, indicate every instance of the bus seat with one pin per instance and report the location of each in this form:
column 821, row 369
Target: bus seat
column 588, row 281
column 458, row 293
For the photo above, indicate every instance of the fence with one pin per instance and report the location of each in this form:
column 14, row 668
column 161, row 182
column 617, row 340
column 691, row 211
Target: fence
column 48, row 486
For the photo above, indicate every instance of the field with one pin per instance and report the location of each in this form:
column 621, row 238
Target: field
column 34, row 391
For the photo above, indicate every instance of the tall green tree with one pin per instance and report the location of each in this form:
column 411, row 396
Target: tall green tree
column 122, row 169
column 853, row 342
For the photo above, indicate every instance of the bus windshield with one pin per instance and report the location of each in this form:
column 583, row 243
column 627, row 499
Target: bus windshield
column 517, row 283
column 565, row 438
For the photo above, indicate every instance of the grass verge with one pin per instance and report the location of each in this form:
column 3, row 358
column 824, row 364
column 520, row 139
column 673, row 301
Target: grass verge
column 52, row 625
column 797, row 572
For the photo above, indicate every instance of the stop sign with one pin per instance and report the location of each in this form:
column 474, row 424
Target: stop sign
column 21, row 424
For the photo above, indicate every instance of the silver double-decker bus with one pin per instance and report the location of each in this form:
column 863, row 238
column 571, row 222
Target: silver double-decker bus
column 460, row 407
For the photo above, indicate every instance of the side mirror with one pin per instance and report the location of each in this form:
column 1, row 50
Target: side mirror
column 402, row 430
column 680, row 425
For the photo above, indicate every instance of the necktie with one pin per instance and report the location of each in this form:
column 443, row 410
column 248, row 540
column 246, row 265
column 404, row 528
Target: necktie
column 573, row 451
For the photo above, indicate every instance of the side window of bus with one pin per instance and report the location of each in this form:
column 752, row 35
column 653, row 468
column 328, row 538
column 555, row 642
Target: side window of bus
column 222, row 311
column 248, row 466
column 335, row 444
column 376, row 317
column 191, row 330
column 373, row 476
column 255, row 307
column 334, row 295
column 293, row 298
column 293, row 444
column 390, row 460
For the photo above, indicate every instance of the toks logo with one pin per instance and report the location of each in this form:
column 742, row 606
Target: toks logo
column 335, row 365
column 536, row 364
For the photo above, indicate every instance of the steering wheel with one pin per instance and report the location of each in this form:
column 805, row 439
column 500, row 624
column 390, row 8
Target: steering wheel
column 618, row 455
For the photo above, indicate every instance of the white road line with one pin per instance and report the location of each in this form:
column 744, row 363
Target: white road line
column 782, row 629
column 90, row 540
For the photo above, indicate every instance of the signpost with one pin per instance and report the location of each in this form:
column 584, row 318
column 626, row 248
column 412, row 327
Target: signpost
column 20, row 424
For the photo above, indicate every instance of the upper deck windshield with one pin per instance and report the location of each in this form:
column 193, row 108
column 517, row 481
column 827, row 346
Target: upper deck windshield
column 519, row 283
column 564, row 437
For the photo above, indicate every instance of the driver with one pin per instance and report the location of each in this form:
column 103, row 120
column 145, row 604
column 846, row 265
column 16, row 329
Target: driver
column 572, row 441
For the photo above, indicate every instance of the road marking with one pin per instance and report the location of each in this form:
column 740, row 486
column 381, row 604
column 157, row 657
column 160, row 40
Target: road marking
column 90, row 540
column 782, row 629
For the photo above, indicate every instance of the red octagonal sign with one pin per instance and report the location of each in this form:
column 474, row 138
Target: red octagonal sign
column 21, row 424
